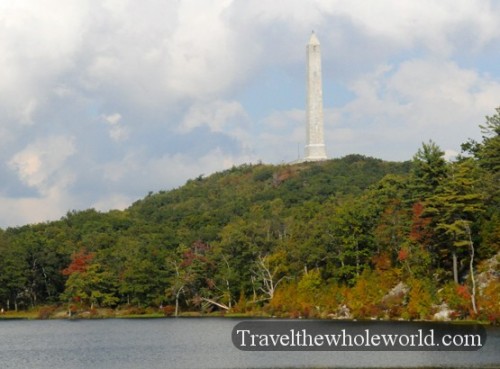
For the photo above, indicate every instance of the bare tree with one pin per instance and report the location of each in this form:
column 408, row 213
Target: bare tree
column 267, row 275
column 471, row 266
column 177, row 286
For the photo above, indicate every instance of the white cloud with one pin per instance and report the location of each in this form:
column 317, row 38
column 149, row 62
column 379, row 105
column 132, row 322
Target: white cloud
column 153, row 174
column 39, row 42
column 162, row 52
column 176, row 169
column 425, row 22
column 117, row 131
column 153, row 93
column 113, row 119
column 398, row 107
column 219, row 115
column 19, row 211
column 201, row 51
column 450, row 155
column 113, row 202
column 40, row 164
column 283, row 139
column 279, row 121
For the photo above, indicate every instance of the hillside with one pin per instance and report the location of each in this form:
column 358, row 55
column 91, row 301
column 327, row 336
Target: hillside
column 332, row 238
column 204, row 205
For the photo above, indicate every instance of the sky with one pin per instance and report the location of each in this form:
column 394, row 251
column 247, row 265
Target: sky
column 103, row 101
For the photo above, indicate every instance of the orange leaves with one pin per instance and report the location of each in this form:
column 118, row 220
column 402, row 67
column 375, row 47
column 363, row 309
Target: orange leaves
column 457, row 297
column 463, row 291
column 79, row 262
column 403, row 254
column 488, row 302
column 382, row 261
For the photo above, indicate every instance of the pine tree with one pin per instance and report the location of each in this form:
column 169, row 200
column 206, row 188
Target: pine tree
column 428, row 171
column 457, row 204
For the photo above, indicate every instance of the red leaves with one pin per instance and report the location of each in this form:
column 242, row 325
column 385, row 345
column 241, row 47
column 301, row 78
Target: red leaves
column 79, row 262
column 463, row 291
column 403, row 254
column 420, row 231
column 197, row 251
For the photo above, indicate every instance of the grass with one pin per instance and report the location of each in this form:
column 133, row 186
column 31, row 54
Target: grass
column 45, row 312
column 30, row 314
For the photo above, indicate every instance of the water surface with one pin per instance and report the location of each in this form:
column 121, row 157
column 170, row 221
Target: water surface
column 190, row 343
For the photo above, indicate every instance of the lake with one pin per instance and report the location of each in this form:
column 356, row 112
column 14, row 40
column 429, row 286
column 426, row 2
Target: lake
column 190, row 343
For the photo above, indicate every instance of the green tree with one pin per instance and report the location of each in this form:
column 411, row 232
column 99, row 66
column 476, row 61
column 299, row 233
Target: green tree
column 89, row 283
column 489, row 160
column 489, row 151
column 342, row 235
column 240, row 243
column 455, row 207
column 13, row 273
column 141, row 270
column 191, row 276
column 428, row 170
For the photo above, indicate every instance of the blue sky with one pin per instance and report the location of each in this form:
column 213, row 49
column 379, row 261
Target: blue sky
column 102, row 101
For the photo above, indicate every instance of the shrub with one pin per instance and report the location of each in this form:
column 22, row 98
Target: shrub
column 364, row 298
column 487, row 301
column 168, row 310
column 285, row 299
column 420, row 299
column 457, row 297
column 45, row 312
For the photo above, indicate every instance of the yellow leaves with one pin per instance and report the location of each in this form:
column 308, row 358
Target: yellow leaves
column 488, row 302
column 420, row 299
column 365, row 298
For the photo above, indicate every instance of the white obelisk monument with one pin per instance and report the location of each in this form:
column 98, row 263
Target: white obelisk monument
column 315, row 142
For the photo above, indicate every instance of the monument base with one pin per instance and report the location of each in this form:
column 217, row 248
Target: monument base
column 315, row 152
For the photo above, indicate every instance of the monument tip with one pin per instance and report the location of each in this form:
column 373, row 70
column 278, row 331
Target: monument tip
column 313, row 40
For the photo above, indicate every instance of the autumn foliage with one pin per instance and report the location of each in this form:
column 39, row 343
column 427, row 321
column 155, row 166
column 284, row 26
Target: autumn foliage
column 354, row 237
column 79, row 262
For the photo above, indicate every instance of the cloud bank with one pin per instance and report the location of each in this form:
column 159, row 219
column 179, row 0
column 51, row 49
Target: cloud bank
column 104, row 101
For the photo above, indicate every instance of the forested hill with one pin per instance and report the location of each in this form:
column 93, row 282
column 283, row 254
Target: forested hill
column 203, row 206
column 352, row 237
column 133, row 245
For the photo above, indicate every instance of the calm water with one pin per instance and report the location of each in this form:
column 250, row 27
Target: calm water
column 189, row 343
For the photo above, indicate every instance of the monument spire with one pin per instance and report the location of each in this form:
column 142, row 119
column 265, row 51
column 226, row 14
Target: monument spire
column 315, row 143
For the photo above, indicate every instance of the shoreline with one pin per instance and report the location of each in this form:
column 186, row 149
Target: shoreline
column 88, row 315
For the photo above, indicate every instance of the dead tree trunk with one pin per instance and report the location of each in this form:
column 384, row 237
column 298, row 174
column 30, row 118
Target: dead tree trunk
column 177, row 295
column 219, row 304
column 471, row 266
column 455, row 266
column 267, row 277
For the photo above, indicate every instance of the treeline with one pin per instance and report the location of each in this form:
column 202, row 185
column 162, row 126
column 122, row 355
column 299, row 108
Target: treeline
column 352, row 237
